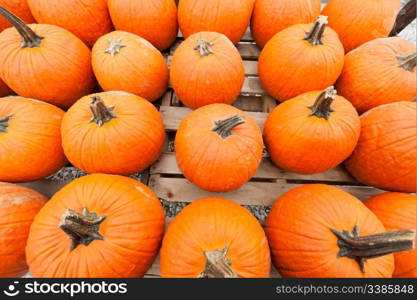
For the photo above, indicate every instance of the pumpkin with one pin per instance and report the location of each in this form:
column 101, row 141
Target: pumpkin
column 30, row 139
column 218, row 147
column 124, row 61
column 318, row 230
column 44, row 62
column 207, row 68
column 313, row 132
column 397, row 211
column 112, row 132
column 385, row 156
column 231, row 243
column 359, row 21
column 229, row 17
column 96, row 226
column 299, row 59
column 4, row 89
column 379, row 72
column 18, row 207
column 271, row 16
column 153, row 20
column 20, row 8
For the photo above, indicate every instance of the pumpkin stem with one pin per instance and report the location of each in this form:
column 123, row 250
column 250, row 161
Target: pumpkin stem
column 4, row 123
column 204, row 47
column 321, row 107
column 101, row 113
column 218, row 265
column 316, row 33
column 30, row 38
column 224, row 127
column 407, row 61
column 114, row 46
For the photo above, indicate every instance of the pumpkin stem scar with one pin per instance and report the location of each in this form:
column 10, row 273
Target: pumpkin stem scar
column 218, row 265
column 101, row 113
column 114, row 47
column 316, row 33
column 407, row 61
column 204, row 47
column 321, row 107
column 224, row 127
column 4, row 123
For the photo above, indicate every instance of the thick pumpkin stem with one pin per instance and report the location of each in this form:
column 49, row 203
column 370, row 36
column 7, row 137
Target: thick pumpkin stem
column 4, row 123
column 321, row 107
column 316, row 33
column 224, row 127
column 407, row 61
column 101, row 113
column 218, row 265
column 204, row 47
column 30, row 38
column 114, row 46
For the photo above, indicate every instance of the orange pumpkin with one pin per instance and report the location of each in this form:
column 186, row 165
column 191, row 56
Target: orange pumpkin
column 385, row 156
column 397, row 211
column 20, row 8
column 4, row 89
column 96, row 226
column 231, row 243
column 294, row 62
column 313, row 132
column 126, row 62
column 18, row 207
column 207, row 68
column 50, row 64
column 112, row 132
column 379, row 72
column 30, row 139
column 332, row 233
column 218, row 147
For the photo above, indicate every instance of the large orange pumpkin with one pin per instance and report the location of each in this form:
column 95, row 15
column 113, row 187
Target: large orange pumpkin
column 218, row 147
column 397, row 211
column 313, row 132
column 299, row 59
column 215, row 238
column 207, row 68
column 20, row 8
column 385, row 156
column 44, row 62
column 30, row 139
column 96, row 226
column 18, row 207
column 318, row 230
column 4, row 89
column 379, row 72
column 112, row 132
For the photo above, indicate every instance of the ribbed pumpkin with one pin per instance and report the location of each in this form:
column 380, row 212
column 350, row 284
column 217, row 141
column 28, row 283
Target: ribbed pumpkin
column 4, row 89
column 385, row 156
column 299, row 59
column 112, row 132
column 215, row 238
column 18, row 207
column 123, row 61
column 153, row 20
column 44, row 62
column 20, row 8
column 271, row 16
column 218, row 147
column 229, row 17
column 318, row 230
column 313, row 132
column 96, row 226
column 397, row 211
column 379, row 72
column 87, row 19
column 207, row 68
column 30, row 139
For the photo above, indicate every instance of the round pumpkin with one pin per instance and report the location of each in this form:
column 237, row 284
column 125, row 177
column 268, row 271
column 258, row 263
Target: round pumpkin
column 231, row 243
column 207, row 68
column 397, row 211
column 96, row 226
column 44, row 62
column 4, row 89
column 229, row 17
column 271, row 16
column 30, row 139
column 218, row 147
column 123, row 61
column 18, row 207
column 299, row 59
column 20, row 8
column 318, row 230
column 385, row 156
column 112, row 132
column 313, row 132
column 379, row 72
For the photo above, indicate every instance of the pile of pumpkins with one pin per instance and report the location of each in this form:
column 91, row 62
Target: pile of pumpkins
column 109, row 225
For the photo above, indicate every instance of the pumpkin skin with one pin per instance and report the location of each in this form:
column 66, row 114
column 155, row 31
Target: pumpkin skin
column 385, row 156
column 4, row 89
column 218, row 147
column 32, row 127
column 208, row 55
column 126, row 62
column 129, row 141
column 20, row 8
column 131, row 232
column 18, row 207
column 397, row 211
column 220, row 224
column 372, row 74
